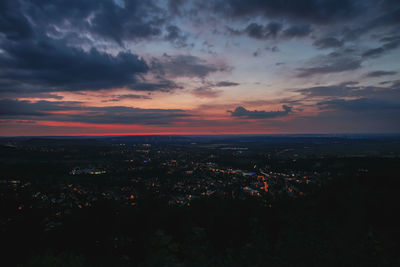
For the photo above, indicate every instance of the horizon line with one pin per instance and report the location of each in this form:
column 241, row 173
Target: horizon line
column 192, row 134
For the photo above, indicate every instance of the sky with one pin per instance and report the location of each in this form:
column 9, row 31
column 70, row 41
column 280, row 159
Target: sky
column 120, row 67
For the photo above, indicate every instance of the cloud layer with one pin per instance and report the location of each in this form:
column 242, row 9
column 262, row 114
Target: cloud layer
column 322, row 65
column 260, row 114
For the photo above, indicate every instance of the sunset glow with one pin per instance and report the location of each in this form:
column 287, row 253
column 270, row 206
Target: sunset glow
column 113, row 67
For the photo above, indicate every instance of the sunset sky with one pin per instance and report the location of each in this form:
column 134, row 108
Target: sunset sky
column 109, row 67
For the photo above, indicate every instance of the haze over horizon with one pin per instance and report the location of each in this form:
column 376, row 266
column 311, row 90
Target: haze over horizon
column 115, row 67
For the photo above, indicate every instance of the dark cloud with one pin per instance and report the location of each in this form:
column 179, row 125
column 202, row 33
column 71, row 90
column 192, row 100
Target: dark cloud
column 318, row 11
column 273, row 30
column 396, row 84
column 328, row 42
column 54, row 66
column 380, row 73
column 259, row 51
column 348, row 107
column 13, row 23
column 350, row 89
column 390, row 16
column 328, row 91
column 390, row 43
column 116, row 98
column 175, row 6
column 352, row 106
column 226, row 84
column 393, row 84
column 48, row 64
column 297, row 31
column 344, row 59
column 128, row 115
column 332, row 63
column 162, row 85
column 360, row 105
column 18, row 94
column 43, row 110
column 186, row 66
column 260, row 114
column 11, row 107
column 258, row 31
column 176, row 36
column 133, row 20
column 382, row 15
column 374, row 52
column 363, row 17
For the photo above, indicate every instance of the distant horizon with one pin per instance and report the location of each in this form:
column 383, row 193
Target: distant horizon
column 228, row 134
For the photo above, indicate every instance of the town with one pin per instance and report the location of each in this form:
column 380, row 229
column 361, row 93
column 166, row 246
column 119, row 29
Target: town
column 56, row 180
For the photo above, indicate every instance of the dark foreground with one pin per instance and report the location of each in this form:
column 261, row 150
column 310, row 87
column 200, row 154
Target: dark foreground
column 350, row 219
